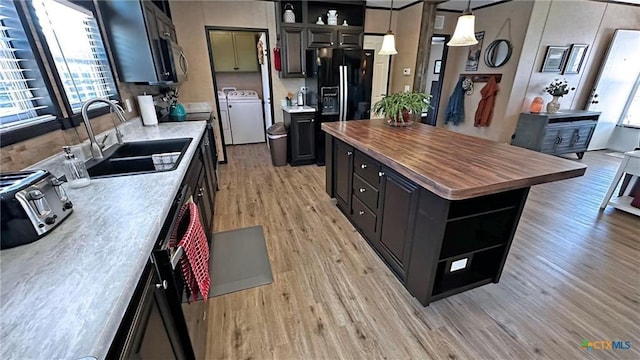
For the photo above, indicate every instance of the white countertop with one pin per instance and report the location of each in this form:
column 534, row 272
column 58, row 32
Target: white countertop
column 298, row 109
column 64, row 296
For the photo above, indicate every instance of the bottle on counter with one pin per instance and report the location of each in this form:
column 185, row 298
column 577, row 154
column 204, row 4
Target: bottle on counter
column 300, row 98
column 75, row 170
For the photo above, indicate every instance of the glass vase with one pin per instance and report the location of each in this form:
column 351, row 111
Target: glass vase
column 554, row 105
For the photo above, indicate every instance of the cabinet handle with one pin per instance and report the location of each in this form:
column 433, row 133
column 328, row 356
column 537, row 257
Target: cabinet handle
column 312, row 120
column 362, row 190
column 341, row 43
column 164, row 285
column 304, row 73
column 236, row 68
column 360, row 212
column 200, row 192
column 380, row 174
column 166, row 34
column 558, row 139
column 349, row 153
column 332, row 43
column 363, row 166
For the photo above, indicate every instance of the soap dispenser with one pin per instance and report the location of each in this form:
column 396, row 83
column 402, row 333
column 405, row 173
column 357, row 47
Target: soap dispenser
column 75, row 170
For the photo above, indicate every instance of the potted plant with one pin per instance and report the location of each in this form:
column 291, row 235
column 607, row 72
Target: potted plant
column 402, row 109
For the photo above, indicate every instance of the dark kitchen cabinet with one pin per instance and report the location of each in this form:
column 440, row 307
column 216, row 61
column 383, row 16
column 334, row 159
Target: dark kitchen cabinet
column 304, row 33
column 320, row 37
column 351, row 38
column 569, row 131
column 201, row 180
column 399, row 198
column 343, row 165
column 301, row 138
column 293, row 52
column 143, row 42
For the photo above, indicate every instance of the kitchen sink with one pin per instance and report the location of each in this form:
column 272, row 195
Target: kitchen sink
column 139, row 157
column 147, row 148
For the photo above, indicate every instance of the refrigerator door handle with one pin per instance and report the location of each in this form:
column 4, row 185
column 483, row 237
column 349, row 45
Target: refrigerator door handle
column 345, row 92
column 340, row 89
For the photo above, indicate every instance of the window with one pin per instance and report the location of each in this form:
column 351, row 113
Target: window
column 24, row 93
column 74, row 41
column 49, row 39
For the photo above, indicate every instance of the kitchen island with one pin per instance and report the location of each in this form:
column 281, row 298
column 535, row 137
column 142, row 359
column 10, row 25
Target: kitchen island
column 439, row 207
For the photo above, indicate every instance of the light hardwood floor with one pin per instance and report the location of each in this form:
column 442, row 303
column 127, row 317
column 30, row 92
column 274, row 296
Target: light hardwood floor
column 573, row 274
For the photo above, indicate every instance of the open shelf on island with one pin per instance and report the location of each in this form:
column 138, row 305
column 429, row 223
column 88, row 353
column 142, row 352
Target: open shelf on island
column 484, row 205
column 473, row 270
column 473, row 233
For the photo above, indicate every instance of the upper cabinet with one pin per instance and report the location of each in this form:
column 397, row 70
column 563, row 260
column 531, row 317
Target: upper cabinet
column 234, row 51
column 306, row 24
column 143, row 41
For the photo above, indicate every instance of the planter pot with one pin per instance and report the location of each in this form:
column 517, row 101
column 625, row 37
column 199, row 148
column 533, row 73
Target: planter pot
column 554, row 105
column 407, row 120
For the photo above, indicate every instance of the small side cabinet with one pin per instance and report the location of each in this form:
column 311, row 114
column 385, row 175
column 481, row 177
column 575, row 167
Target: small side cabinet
column 301, row 148
column 568, row 131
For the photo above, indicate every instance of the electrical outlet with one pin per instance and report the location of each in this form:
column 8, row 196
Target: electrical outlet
column 127, row 105
column 407, row 88
column 406, row 71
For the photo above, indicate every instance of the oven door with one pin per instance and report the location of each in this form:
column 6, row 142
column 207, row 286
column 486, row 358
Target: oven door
column 147, row 330
column 188, row 317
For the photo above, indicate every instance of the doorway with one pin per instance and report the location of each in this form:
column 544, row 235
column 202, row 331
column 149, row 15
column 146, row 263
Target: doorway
column 381, row 66
column 239, row 60
column 614, row 86
column 435, row 75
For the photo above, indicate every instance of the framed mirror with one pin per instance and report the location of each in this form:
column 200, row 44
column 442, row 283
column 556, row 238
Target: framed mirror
column 498, row 53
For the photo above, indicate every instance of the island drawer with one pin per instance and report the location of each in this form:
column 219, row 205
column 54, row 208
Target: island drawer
column 364, row 218
column 365, row 192
column 367, row 168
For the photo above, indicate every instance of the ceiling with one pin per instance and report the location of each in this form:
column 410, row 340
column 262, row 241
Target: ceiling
column 449, row 5
column 458, row 5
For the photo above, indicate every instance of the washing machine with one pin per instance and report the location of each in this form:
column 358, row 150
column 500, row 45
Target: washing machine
column 224, row 118
column 245, row 117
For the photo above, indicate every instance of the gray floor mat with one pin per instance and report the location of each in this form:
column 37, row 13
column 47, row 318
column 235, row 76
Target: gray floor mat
column 239, row 261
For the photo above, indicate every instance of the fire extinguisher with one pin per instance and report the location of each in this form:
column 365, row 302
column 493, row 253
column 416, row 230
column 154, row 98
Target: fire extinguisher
column 276, row 58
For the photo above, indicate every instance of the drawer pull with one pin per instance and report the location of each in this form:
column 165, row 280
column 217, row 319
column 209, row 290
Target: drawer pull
column 349, row 153
column 363, row 166
column 362, row 190
column 360, row 212
column 380, row 174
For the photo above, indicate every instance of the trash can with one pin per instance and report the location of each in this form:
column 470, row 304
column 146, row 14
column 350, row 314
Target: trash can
column 277, row 134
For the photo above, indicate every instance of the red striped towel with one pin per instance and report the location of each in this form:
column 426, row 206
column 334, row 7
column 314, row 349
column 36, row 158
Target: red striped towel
column 195, row 261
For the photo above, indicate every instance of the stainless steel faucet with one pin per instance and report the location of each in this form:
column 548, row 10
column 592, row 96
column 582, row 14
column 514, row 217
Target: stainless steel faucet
column 96, row 150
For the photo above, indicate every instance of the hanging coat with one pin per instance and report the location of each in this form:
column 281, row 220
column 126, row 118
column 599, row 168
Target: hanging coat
column 485, row 107
column 455, row 108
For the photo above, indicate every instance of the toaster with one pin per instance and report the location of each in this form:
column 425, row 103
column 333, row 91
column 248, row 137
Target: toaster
column 32, row 203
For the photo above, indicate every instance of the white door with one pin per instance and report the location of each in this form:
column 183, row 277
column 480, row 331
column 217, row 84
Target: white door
column 614, row 84
column 380, row 70
column 264, row 70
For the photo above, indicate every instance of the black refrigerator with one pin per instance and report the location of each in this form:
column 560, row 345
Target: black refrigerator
column 339, row 86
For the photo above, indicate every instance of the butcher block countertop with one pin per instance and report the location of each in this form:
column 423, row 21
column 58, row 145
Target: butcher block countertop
column 452, row 165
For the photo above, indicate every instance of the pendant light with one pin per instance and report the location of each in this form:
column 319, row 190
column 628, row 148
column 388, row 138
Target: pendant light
column 465, row 33
column 389, row 40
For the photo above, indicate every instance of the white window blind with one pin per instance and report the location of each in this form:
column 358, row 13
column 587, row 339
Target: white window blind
column 77, row 49
column 23, row 99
